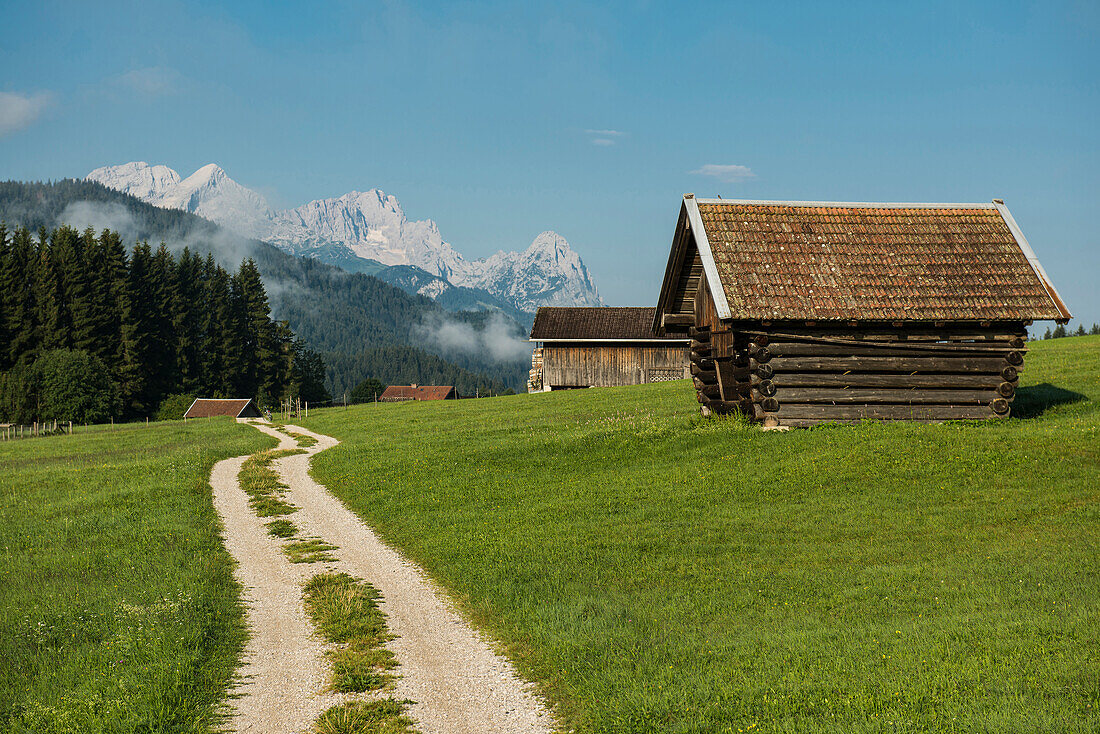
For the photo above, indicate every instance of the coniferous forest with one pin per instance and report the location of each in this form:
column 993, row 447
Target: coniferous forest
column 90, row 331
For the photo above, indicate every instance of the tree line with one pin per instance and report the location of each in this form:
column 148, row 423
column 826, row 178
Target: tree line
column 1061, row 331
column 91, row 331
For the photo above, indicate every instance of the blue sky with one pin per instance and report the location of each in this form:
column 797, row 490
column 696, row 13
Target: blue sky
column 500, row 120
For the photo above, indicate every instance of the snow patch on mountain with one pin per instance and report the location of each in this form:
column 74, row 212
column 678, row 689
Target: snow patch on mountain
column 138, row 179
column 547, row 273
column 364, row 226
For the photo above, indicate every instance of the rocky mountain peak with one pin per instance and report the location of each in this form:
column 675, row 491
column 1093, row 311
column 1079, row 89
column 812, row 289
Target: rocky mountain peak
column 369, row 225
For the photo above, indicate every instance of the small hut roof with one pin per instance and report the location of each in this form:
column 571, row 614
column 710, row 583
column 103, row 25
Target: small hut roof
column 555, row 323
column 209, row 407
column 417, row 392
column 830, row 260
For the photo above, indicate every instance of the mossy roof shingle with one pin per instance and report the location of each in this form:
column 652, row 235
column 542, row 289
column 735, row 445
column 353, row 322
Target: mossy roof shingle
column 789, row 260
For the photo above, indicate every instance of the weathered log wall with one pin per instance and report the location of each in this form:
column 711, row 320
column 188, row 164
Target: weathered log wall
column 600, row 365
column 801, row 375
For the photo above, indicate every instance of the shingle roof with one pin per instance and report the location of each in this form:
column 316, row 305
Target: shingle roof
column 420, row 392
column 209, row 407
column 795, row 260
column 555, row 323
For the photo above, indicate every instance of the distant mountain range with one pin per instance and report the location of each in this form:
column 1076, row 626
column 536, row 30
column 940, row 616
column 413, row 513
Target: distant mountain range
column 367, row 232
column 362, row 326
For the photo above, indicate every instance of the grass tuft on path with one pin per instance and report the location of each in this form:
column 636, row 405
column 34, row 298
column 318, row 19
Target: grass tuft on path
column 310, row 550
column 365, row 717
column 118, row 610
column 282, row 528
column 655, row 572
column 260, row 482
column 345, row 612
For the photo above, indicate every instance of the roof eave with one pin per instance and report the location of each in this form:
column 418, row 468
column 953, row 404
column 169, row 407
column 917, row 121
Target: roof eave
column 608, row 341
column 710, row 269
column 666, row 282
column 1033, row 261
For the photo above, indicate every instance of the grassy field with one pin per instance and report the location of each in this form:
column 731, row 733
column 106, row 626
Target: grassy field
column 119, row 611
column 655, row 572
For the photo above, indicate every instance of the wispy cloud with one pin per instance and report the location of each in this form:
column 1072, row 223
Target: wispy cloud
column 728, row 173
column 150, row 80
column 604, row 137
column 17, row 111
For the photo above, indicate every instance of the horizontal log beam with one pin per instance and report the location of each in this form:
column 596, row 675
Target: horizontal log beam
column 992, row 365
column 677, row 319
column 799, row 349
column 884, row 412
column 857, row 396
column 727, row 406
column 711, row 391
column 811, row 422
column 908, row 341
column 706, row 376
column 896, row 380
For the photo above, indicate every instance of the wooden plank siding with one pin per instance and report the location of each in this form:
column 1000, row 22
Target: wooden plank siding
column 607, row 365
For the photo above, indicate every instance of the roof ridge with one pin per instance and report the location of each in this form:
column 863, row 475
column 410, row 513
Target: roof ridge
column 852, row 204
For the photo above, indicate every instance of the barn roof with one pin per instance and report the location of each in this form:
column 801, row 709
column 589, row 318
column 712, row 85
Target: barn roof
column 857, row 261
column 556, row 323
column 417, row 392
column 209, row 407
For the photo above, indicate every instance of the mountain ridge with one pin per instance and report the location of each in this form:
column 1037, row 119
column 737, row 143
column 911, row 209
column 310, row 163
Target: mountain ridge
column 363, row 225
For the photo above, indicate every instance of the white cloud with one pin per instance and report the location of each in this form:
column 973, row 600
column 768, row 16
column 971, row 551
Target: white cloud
column 19, row 110
column 604, row 137
column 727, row 173
column 151, row 80
column 100, row 216
column 497, row 338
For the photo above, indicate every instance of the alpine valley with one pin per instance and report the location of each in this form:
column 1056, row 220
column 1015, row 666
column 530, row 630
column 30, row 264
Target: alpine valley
column 367, row 232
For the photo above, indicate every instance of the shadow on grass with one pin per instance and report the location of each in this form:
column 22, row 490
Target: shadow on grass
column 1033, row 401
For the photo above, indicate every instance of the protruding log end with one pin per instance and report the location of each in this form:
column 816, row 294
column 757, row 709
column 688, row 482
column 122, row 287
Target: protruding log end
column 1000, row 406
column 771, row 421
column 1014, row 358
column 1006, row 389
column 770, row 405
column 766, row 388
column 1009, row 374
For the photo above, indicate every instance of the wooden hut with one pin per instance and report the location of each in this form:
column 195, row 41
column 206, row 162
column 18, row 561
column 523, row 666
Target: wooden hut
column 602, row 347
column 403, row 393
column 233, row 407
column 809, row 312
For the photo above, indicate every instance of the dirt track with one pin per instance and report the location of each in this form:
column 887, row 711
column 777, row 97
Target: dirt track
column 456, row 681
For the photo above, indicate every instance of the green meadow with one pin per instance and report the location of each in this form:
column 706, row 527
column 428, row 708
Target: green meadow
column 119, row 610
column 656, row 572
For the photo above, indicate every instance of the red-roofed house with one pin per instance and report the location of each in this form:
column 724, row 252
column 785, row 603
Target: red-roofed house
column 210, row 407
column 401, row 393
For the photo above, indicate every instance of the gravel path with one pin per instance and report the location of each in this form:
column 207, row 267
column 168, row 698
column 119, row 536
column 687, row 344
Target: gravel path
column 456, row 681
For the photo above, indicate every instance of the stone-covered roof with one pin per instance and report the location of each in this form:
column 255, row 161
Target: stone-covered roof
column 556, row 323
column 831, row 261
column 418, row 392
column 210, row 407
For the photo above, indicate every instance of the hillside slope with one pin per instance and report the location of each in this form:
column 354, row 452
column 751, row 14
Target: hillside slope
column 661, row 573
column 348, row 317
